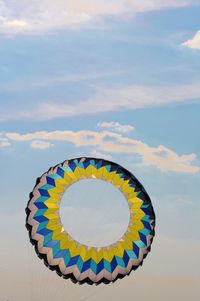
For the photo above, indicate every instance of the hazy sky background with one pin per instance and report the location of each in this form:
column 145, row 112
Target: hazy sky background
column 112, row 79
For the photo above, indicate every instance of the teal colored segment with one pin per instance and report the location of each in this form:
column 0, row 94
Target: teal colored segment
column 140, row 244
column 146, row 218
column 79, row 263
column 108, row 167
column 120, row 261
column 47, row 186
column 54, row 176
column 67, row 257
column 92, row 163
column 47, row 238
column 145, row 206
column 56, row 249
column 40, row 212
column 41, row 199
column 131, row 254
column 76, row 162
column 145, row 231
column 66, row 168
column 107, row 266
column 80, row 164
column 42, row 225
column 93, row 266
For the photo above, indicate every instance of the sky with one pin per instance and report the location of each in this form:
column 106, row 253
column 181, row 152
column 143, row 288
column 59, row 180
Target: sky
column 117, row 80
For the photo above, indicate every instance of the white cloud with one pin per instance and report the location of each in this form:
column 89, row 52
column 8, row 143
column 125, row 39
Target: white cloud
column 40, row 144
column 4, row 142
column 46, row 15
column 108, row 142
column 193, row 43
column 116, row 126
column 46, row 81
column 109, row 100
column 17, row 24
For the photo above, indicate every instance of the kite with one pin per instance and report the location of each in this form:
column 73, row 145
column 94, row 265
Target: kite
column 76, row 261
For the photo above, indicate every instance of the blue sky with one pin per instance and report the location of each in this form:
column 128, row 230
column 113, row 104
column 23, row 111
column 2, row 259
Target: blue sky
column 112, row 79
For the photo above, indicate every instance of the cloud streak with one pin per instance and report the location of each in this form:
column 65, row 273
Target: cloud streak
column 114, row 143
column 40, row 16
column 28, row 85
column 40, row 144
column 109, row 100
column 4, row 142
column 116, row 126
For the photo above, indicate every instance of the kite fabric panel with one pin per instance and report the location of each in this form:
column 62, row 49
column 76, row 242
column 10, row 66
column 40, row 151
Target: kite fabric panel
column 69, row 258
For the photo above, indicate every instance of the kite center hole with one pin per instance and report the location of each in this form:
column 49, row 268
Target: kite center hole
column 94, row 212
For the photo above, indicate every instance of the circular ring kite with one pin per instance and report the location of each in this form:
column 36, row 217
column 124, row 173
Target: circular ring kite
column 69, row 258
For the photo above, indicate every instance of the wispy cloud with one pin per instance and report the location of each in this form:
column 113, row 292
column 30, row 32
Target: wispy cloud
column 193, row 43
column 109, row 99
column 114, row 143
column 4, row 142
column 45, row 15
column 15, row 24
column 46, row 81
column 41, row 144
column 116, row 126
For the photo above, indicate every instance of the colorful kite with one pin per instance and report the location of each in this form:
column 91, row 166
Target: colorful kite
column 69, row 258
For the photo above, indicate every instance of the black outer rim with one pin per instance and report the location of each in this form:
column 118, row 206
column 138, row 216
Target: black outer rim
column 128, row 175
